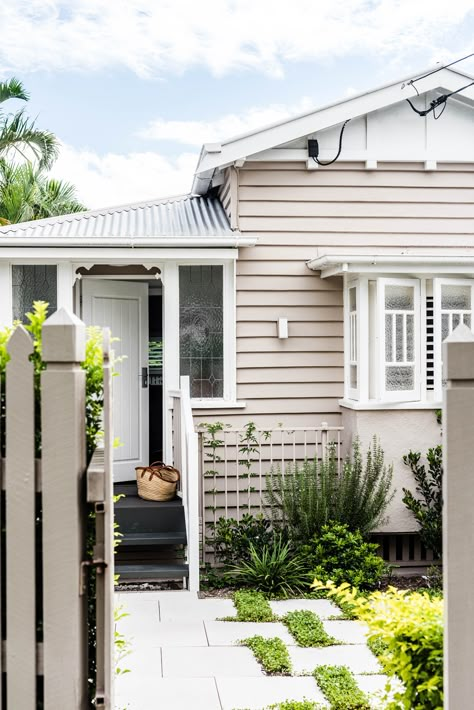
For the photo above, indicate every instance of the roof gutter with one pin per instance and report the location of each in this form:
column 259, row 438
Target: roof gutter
column 130, row 242
column 333, row 265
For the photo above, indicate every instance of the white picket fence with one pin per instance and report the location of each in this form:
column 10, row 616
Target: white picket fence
column 44, row 566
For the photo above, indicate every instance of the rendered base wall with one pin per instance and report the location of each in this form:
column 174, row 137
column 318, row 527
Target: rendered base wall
column 398, row 432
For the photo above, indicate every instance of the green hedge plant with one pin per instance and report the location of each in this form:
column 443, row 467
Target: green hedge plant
column 408, row 631
column 341, row 555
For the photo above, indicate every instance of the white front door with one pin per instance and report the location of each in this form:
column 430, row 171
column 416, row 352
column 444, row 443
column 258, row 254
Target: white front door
column 122, row 306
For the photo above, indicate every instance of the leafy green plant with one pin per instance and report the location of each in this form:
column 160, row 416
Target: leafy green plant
column 296, row 705
column 344, row 556
column 231, row 539
column 410, row 625
column 427, row 506
column 307, row 629
column 249, row 449
column 271, row 653
column 275, row 569
column 309, row 495
column 340, row 687
column 122, row 645
column 252, row 606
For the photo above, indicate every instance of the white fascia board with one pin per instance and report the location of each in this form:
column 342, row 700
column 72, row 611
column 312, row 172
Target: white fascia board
column 129, row 242
column 118, row 256
column 286, row 131
column 350, row 263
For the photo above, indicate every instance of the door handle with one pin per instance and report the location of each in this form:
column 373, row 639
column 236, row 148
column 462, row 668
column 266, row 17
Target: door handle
column 144, row 377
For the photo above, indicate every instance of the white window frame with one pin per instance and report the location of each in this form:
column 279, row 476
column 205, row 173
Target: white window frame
column 361, row 342
column 399, row 395
column 170, row 278
column 438, row 283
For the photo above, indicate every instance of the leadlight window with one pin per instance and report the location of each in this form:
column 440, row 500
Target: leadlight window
column 399, row 331
column 456, row 307
column 33, row 283
column 201, row 329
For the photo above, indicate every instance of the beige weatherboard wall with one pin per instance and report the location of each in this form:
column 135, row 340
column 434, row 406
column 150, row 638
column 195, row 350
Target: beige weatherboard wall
column 402, row 191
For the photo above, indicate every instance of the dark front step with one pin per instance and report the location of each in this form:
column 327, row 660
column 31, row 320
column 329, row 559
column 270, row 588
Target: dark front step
column 149, row 572
column 153, row 537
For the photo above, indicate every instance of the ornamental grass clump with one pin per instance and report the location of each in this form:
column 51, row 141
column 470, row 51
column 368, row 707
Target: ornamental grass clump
column 408, row 629
column 274, row 569
column 307, row 496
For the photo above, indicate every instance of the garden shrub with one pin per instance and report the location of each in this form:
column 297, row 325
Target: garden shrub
column 275, row 570
column 271, row 653
column 339, row 686
column 344, row 556
column 231, row 539
column 307, row 629
column 252, row 606
column 427, row 507
column 410, row 625
column 307, row 496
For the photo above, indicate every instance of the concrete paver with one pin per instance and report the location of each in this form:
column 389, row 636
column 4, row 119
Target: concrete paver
column 359, row 659
column 176, row 608
column 257, row 693
column 181, row 633
column 227, row 633
column 170, row 694
column 346, row 631
column 208, row 662
column 321, row 607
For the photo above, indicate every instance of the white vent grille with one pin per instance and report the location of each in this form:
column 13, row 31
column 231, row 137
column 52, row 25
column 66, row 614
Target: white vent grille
column 429, row 343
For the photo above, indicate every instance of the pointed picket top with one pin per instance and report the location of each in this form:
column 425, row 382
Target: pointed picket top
column 461, row 334
column 20, row 344
column 64, row 337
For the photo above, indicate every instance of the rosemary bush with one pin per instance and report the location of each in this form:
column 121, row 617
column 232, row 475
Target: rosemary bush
column 309, row 495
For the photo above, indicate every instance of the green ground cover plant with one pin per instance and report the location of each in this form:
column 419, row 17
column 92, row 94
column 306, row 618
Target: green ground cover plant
column 307, row 629
column 294, row 705
column 271, row 653
column 274, row 569
column 339, row 686
column 342, row 555
column 410, row 625
column 251, row 606
column 231, row 539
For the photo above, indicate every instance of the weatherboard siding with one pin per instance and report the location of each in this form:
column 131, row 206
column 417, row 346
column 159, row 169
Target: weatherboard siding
column 297, row 214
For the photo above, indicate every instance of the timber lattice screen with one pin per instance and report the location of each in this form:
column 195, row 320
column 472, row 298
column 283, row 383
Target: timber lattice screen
column 235, row 463
column 44, row 512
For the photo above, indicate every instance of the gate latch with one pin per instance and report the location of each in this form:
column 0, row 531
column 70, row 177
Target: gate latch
column 98, row 564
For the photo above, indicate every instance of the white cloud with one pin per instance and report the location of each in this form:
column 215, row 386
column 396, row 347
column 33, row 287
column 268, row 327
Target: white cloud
column 150, row 37
column 113, row 179
column 198, row 132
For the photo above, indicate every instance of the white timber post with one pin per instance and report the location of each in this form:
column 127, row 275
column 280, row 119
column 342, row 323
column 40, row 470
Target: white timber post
column 63, row 485
column 20, row 524
column 458, row 519
column 192, row 469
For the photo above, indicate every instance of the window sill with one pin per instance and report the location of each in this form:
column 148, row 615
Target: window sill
column 217, row 404
column 354, row 404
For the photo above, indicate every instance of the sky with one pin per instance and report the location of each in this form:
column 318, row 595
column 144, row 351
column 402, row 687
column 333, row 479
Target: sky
column 132, row 88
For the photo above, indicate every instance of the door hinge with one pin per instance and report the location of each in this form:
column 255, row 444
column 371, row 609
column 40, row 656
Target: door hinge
column 98, row 564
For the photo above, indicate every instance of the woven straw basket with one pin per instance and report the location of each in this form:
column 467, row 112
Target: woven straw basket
column 157, row 481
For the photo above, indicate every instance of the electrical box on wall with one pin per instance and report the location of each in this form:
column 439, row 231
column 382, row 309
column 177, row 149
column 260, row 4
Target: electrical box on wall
column 282, row 328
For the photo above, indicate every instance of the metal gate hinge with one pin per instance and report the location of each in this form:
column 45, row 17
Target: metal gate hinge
column 98, row 564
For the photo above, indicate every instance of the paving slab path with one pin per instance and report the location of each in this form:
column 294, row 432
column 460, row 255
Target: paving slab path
column 184, row 658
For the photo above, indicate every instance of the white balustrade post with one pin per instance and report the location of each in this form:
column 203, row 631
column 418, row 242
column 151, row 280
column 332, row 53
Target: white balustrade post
column 458, row 518
column 63, row 477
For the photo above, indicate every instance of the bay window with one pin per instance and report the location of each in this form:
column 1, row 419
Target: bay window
column 394, row 328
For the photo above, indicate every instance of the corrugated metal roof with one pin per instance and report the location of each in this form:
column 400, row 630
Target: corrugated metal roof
column 184, row 216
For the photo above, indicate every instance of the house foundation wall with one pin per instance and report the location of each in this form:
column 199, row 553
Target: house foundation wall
column 398, row 431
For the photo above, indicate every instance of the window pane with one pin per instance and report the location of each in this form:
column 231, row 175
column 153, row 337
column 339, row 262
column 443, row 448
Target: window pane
column 399, row 335
column 399, row 378
column 353, row 371
column 388, row 337
column 445, row 325
column 467, row 319
column 410, row 338
column 399, row 298
column 455, row 298
column 33, row 283
column 201, row 329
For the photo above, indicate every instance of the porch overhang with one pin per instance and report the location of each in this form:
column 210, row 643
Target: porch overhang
column 421, row 263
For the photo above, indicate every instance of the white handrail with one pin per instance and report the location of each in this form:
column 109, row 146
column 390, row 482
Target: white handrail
column 185, row 457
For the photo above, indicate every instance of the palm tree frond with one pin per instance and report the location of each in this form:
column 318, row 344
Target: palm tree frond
column 12, row 89
column 18, row 132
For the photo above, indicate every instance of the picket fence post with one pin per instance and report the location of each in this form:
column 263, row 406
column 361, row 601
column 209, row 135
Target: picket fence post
column 20, row 524
column 458, row 520
column 63, row 485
